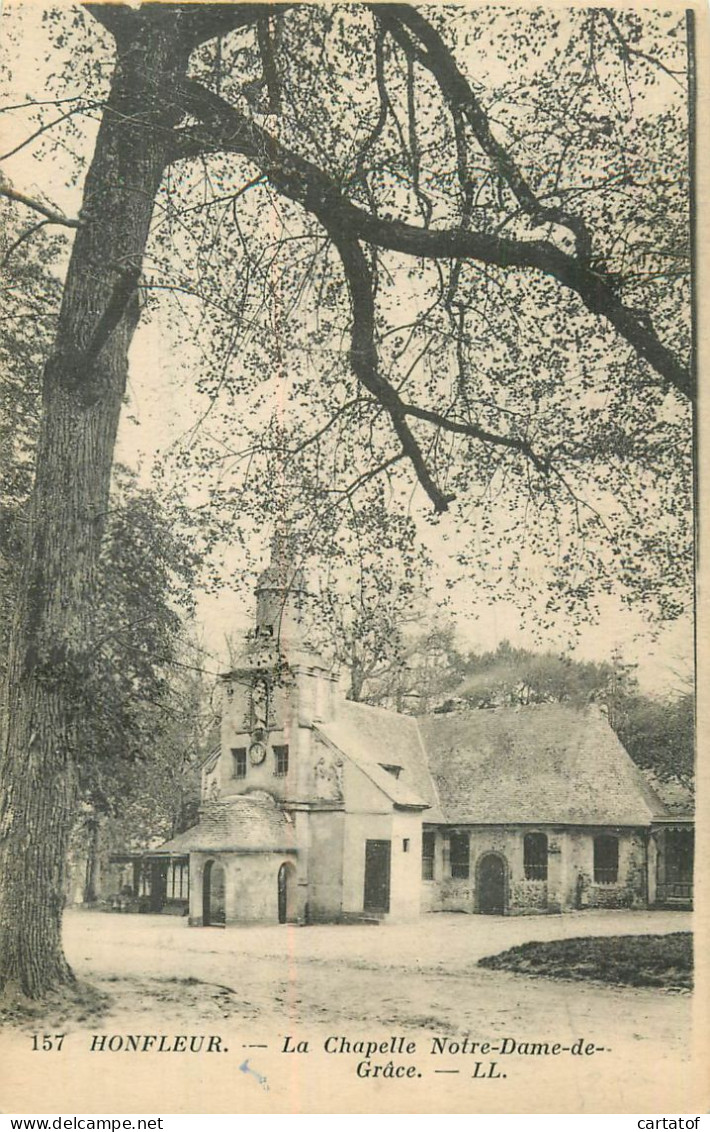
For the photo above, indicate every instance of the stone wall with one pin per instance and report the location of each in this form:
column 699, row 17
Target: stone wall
column 529, row 896
column 570, row 874
column 324, row 864
column 251, row 886
column 630, row 889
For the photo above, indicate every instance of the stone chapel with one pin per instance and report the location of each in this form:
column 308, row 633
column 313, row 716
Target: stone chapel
column 315, row 808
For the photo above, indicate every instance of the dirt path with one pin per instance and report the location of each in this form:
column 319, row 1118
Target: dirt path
column 254, row 987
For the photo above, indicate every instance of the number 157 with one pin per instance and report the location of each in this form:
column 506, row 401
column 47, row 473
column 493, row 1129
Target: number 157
column 47, row 1042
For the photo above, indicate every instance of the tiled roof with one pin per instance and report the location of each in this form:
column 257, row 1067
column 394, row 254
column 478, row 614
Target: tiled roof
column 374, row 738
column 548, row 763
column 245, row 823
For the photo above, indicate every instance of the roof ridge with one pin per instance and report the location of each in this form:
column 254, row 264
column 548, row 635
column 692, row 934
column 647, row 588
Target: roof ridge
column 514, row 709
column 360, row 704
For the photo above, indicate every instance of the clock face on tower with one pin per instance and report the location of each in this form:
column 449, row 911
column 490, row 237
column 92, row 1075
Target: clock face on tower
column 257, row 754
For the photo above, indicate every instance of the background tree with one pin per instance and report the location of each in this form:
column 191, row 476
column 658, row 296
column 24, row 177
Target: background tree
column 143, row 724
column 512, row 675
column 659, row 734
column 142, row 699
column 150, row 789
column 309, row 167
column 421, row 672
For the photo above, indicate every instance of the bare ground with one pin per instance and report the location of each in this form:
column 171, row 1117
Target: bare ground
column 254, row 986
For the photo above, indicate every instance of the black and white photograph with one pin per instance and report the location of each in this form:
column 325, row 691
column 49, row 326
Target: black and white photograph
column 350, row 512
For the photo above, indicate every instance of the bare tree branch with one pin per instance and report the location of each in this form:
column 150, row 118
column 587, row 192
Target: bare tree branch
column 457, row 91
column 224, row 127
column 195, row 23
column 628, row 52
column 363, row 358
column 47, row 126
column 21, row 239
column 475, row 432
column 268, row 63
column 51, row 214
column 375, row 133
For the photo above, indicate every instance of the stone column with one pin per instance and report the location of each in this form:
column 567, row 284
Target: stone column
column 195, row 912
column 557, row 896
column 653, row 861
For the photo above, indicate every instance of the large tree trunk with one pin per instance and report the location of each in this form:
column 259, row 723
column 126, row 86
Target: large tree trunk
column 84, row 382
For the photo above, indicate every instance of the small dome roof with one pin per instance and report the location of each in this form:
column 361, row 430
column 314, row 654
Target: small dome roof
column 245, row 822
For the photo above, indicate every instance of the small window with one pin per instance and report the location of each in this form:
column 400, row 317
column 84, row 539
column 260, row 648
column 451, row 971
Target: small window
column 428, row 846
column 239, row 762
column 535, row 856
column 459, row 855
column 405, row 844
column 395, row 771
column 280, row 761
column 606, row 859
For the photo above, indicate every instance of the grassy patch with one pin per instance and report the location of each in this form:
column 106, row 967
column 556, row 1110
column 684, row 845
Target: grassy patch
column 632, row 960
column 78, row 1002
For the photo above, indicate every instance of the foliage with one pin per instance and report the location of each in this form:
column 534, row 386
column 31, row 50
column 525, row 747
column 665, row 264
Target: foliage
column 433, row 674
column 558, row 443
column 519, row 676
column 523, row 381
column 658, row 732
column 141, row 712
column 660, row 735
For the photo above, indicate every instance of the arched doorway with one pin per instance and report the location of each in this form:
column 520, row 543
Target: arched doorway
column 490, row 885
column 286, row 882
column 213, row 895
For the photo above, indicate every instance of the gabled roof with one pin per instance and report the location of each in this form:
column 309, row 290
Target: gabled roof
column 374, row 738
column 544, row 764
column 247, row 823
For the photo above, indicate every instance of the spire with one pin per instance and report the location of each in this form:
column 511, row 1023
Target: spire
column 282, row 597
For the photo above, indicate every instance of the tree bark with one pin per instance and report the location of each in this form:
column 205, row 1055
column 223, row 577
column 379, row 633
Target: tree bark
column 83, row 386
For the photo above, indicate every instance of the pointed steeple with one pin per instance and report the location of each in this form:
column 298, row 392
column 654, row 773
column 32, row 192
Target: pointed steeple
column 283, row 602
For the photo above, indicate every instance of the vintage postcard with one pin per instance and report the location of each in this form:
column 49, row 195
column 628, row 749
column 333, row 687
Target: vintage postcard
column 350, row 487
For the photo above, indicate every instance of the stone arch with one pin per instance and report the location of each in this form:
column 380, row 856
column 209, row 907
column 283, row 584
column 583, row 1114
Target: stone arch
column 492, row 883
column 214, row 889
column 286, row 892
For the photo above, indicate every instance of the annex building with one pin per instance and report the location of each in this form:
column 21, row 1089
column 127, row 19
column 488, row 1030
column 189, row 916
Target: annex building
column 315, row 808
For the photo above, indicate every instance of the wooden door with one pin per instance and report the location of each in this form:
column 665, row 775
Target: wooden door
column 377, row 876
column 491, row 885
column 283, row 893
column 158, row 885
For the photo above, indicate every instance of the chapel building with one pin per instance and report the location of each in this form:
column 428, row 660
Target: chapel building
column 315, row 808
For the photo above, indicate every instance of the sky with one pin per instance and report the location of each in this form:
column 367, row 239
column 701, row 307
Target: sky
column 161, row 408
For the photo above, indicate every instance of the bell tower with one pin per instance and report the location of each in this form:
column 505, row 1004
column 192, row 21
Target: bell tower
column 280, row 687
